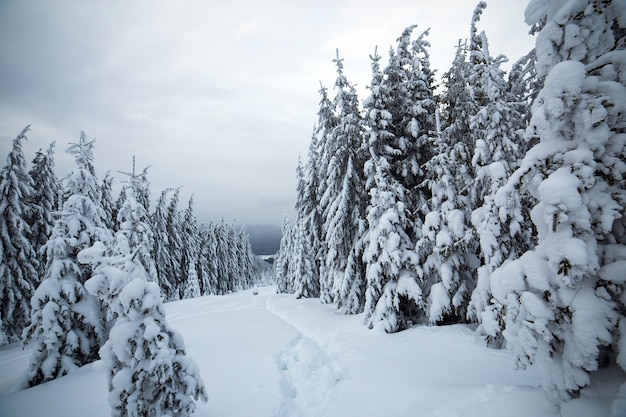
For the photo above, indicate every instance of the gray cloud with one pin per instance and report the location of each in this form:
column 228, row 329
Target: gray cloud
column 219, row 97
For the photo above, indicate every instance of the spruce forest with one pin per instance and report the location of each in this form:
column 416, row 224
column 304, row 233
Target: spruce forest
column 488, row 198
column 497, row 199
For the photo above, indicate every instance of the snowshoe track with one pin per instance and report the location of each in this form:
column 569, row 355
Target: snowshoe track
column 308, row 376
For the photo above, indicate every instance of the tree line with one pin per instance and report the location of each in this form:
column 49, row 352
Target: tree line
column 184, row 257
column 84, row 276
column 496, row 199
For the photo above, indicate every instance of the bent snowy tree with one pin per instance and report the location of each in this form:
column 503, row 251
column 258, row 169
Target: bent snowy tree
column 562, row 302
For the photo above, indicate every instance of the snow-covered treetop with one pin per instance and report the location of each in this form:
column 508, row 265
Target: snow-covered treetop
column 478, row 41
column 82, row 153
column 82, row 181
column 567, row 30
column 16, row 157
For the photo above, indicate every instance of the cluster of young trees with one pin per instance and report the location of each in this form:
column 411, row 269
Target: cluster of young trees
column 499, row 200
column 83, row 276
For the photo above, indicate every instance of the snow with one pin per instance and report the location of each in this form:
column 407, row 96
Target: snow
column 272, row 355
column 535, row 10
column 562, row 87
column 92, row 254
column 443, row 239
column 407, row 285
column 509, row 279
column 497, row 171
column 456, row 223
column 439, row 302
column 614, row 272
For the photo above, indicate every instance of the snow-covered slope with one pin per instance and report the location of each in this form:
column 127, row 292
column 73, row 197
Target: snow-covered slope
column 270, row 355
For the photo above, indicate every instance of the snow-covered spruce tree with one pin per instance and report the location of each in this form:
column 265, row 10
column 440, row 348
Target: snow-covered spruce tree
column 143, row 188
column 204, row 260
column 306, row 281
column 160, row 249
column 225, row 257
column 174, row 272
column 563, row 301
column 234, row 272
column 523, row 87
column 119, row 202
column 134, row 213
column 343, row 198
column 402, row 106
column 148, row 370
column 400, row 117
column 393, row 298
column 221, row 261
column 107, row 203
column 499, row 147
column 479, row 64
column 471, row 119
column 446, row 242
column 502, row 234
column 211, row 283
column 191, row 287
column 496, row 125
column 18, row 259
column 191, row 244
column 244, row 256
column 229, row 271
column 351, row 292
column 282, row 271
column 349, row 281
column 67, row 323
column 308, row 212
column 304, row 286
column 457, row 102
column 326, row 123
column 291, row 265
column 44, row 203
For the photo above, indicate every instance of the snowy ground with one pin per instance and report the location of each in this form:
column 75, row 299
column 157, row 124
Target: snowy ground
column 270, row 355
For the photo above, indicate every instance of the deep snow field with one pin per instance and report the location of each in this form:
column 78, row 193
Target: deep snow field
column 270, row 355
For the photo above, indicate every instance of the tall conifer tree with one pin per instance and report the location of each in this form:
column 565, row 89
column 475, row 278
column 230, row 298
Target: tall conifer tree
column 18, row 259
column 44, row 204
column 499, row 148
column 282, row 271
column 134, row 213
column 107, row 203
column 400, row 116
column 161, row 249
column 175, row 246
column 326, row 123
column 306, row 280
column 67, row 323
column 211, row 282
column 560, row 302
column 204, row 260
column 343, row 198
column 191, row 245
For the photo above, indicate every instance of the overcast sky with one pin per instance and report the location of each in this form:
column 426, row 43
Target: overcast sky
column 219, row 97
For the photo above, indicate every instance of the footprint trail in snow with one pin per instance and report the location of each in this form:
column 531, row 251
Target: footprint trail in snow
column 307, row 379
column 309, row 372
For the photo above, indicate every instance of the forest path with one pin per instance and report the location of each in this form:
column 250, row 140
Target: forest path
column 263, row 354
column 308, row 372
